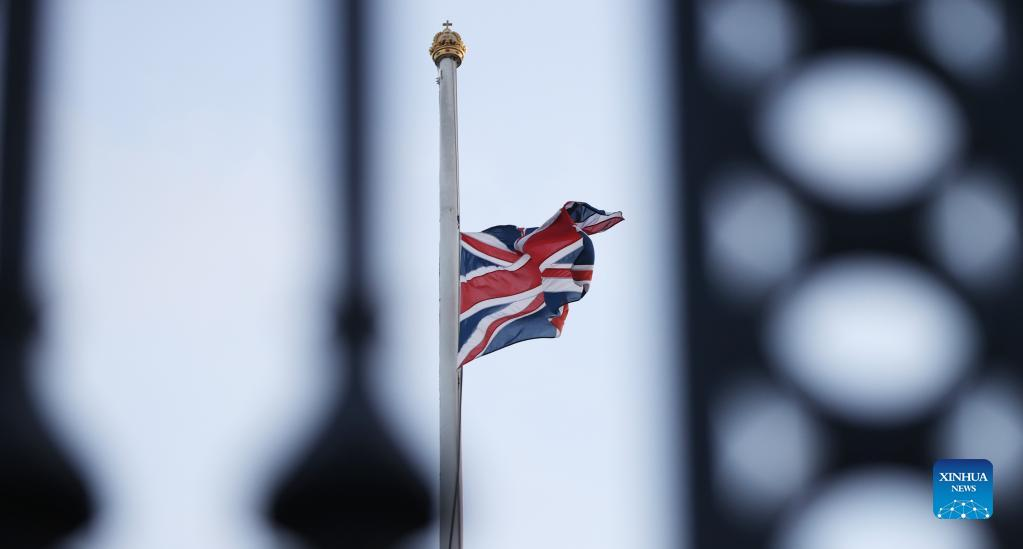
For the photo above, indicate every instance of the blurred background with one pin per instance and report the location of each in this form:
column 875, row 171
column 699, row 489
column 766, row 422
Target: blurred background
column 851, row 193
column 218, row 272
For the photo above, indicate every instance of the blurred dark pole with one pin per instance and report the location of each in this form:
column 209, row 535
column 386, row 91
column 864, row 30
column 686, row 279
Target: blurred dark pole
column 688, row 121
column 42, row 500
column 355, row 488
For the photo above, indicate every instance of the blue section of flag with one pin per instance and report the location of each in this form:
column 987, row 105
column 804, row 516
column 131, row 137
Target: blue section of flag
column 507, row 234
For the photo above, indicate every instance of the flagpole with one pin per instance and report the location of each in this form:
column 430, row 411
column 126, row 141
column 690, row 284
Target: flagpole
column 447, row 52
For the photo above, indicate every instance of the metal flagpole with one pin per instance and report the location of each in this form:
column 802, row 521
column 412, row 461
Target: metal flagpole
column 447, row 52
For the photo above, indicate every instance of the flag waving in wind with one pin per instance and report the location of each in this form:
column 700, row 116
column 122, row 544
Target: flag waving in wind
column 516, row 283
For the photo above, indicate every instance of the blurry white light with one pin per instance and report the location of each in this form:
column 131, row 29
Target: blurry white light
column 987, row 422
column 872, row 339
column 767, row 448
column 758, row 234
column 973, row 228
column 745, row 41
column 862, row 130
column 877, row 508
column 967, row 36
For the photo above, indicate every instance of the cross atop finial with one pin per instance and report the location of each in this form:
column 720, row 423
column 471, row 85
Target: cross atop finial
column 447, row 25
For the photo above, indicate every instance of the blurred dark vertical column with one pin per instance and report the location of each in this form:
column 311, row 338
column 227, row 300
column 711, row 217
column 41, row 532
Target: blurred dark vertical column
column 688, row 122
column 355, row 488
column 42, row 500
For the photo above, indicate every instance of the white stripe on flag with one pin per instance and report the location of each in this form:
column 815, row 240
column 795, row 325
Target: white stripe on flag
column 596, row 218
column 561, row 284
column 528, row 294
column 481, row 329
column 554, row 257
column 490, row 239
column 482, row 255
column 489, row 269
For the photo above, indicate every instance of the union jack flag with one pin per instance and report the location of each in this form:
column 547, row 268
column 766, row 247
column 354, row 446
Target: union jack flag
column 516, row 283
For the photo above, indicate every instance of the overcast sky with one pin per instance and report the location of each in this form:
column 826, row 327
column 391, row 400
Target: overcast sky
column 186, row 255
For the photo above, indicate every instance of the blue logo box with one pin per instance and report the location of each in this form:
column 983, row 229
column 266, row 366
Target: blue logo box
column 964, row 489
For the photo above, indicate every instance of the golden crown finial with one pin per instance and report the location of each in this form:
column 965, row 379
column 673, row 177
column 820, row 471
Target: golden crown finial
column 447, row 44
